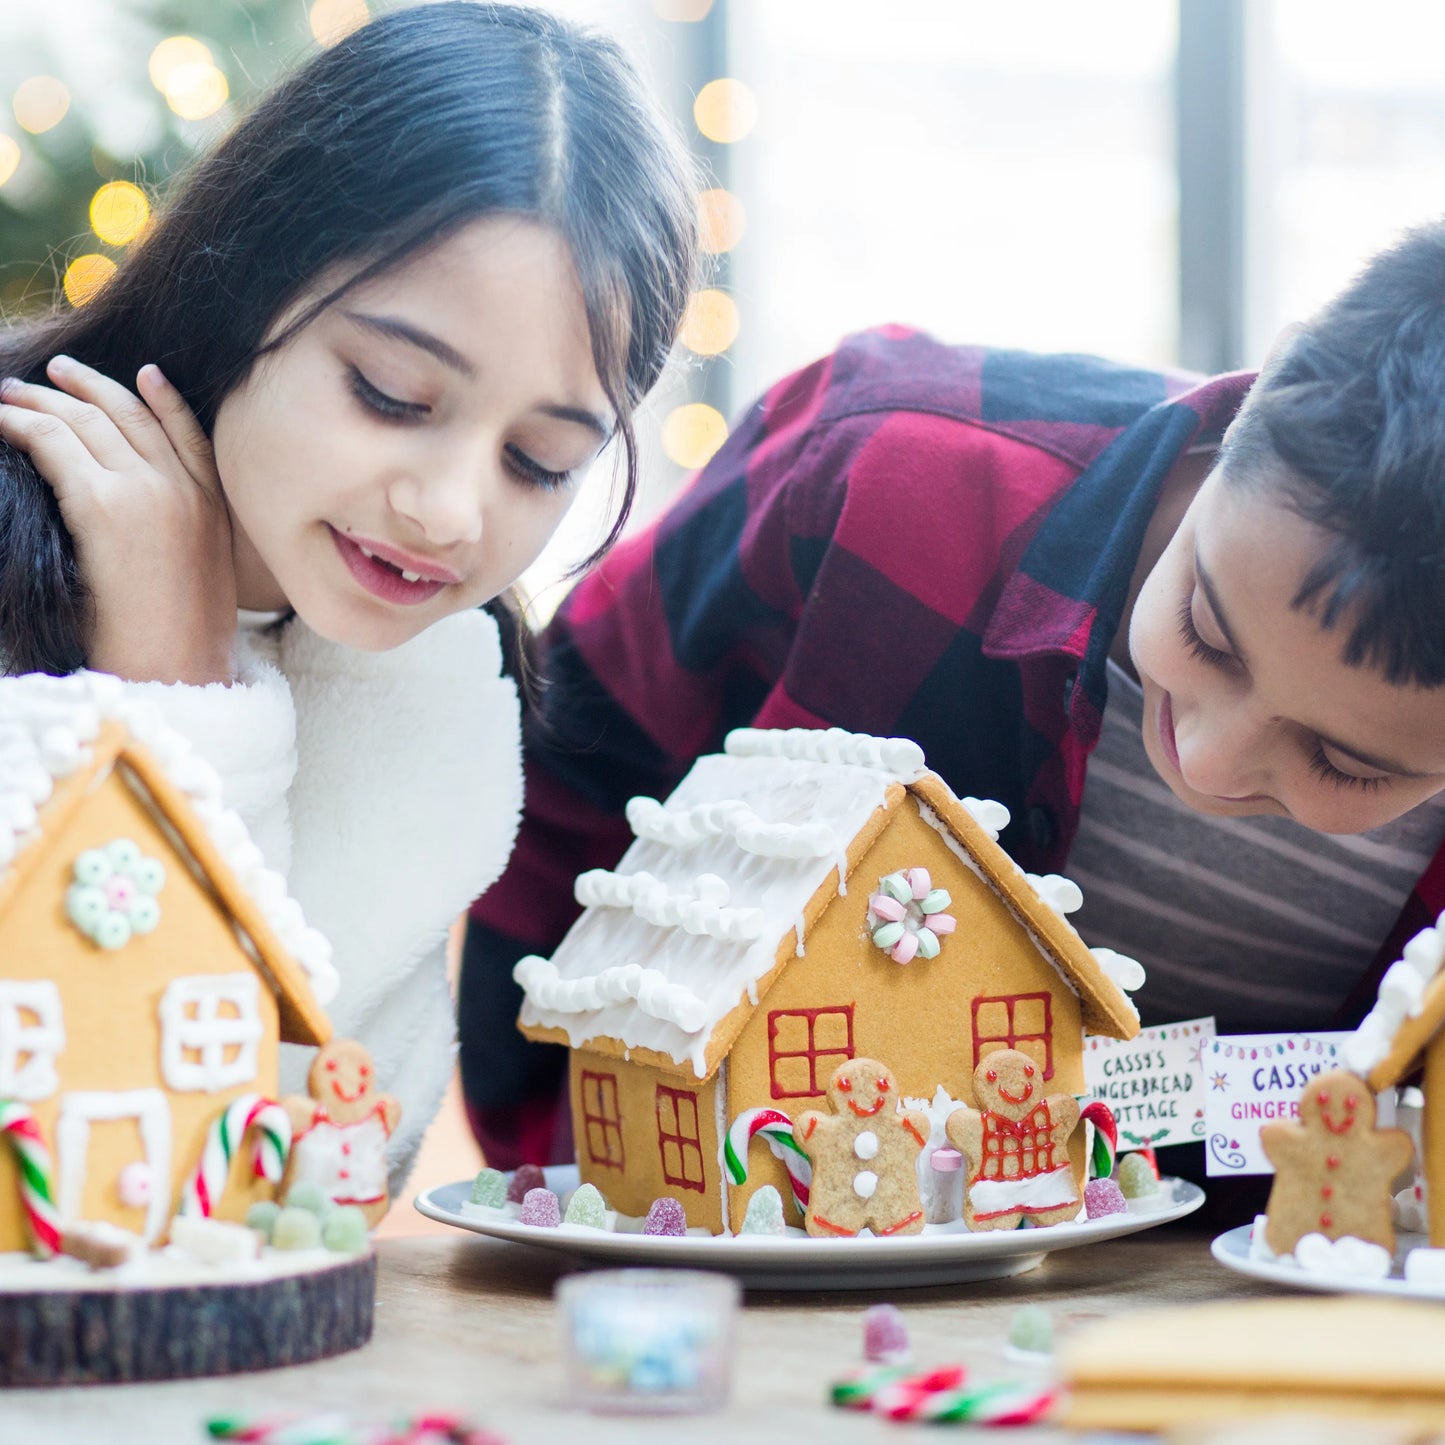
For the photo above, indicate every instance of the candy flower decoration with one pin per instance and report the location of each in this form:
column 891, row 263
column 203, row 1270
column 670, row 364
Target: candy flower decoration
column 908, row 915
column 113, row 897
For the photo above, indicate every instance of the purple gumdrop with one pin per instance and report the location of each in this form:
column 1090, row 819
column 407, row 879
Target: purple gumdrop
column 526, row 1178
column 885, row 1336
column 665, row 1217
column 540, row 1207
column 1102, row 1197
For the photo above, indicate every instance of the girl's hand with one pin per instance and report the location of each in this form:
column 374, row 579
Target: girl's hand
column 138, row 490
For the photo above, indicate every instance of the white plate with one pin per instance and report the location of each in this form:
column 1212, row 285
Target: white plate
column 1232, row 1249
column 942, row 1254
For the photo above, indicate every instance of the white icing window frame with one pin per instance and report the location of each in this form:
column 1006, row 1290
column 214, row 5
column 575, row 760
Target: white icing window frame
column 37, row 1078
column 206, row 1033
column 78, row 1111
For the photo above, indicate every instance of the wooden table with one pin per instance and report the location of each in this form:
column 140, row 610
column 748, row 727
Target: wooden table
column 467, row 1324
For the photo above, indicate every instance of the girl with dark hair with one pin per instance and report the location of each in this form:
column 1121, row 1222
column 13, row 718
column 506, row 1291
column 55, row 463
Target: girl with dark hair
column 375, row 338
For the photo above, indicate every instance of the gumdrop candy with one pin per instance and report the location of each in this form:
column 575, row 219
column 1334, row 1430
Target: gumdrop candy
column 1136, row 1178
column 305, row 1194
column 261, row 1217
column 345, row 1231
column 587, row 1206
column 885, row 1336
column 1032, row 1331
column 665, row 1217
column 765, row 1212
column 540, row 1207
column 1103, row 1197
column 296, row 1228
column 490, row 1188
column 525, row 1177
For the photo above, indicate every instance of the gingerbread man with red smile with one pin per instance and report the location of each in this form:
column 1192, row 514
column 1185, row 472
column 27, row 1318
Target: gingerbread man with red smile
column 864, row 1155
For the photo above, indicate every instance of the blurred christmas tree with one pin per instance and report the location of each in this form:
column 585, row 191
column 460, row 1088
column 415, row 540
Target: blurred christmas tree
column 102, row 100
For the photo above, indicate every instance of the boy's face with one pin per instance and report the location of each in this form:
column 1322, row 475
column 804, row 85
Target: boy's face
column 1248, row 705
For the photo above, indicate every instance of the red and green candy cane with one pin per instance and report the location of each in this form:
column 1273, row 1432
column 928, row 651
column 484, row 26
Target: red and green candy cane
column 777, row 1129
column 1106, row 1139
column 207, row 1182
column 37, row 1176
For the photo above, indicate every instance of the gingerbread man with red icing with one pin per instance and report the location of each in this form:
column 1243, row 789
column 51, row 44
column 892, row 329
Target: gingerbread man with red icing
column 339, row 1133
column 864, row 1155
column 1333, row 1168
column 1016, row 1146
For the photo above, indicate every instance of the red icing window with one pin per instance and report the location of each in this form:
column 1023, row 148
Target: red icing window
column 602, row 1123
column 678, row 1138
column 1022, row 1021
column 805, row 1045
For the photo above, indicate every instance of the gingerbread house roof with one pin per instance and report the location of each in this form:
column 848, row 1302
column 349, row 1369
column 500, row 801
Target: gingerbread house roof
column 60, row 736
column 1409, row 1011
column 725, row 878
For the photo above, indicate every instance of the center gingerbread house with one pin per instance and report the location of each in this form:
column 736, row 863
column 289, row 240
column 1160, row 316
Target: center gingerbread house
column 801, row 899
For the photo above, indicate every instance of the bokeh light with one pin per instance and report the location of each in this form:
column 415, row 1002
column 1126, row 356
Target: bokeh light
column 711, row 323
column 721, row 220
column 9, row 157
column 119, row 212
column 174, row 53
column 41, row 103
column 692, row 433
column 725, row 110
column 333, row 20
column 683, row 10
column 85, row 276
column 196, row 90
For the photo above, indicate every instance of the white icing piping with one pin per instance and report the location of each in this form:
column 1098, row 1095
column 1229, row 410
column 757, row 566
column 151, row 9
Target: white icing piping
column 72, row 1143
column 704, row 910
column 45, row 724
column 647, row 987
column 39, row 1042
column 1401, row 996
column 902, row 757
column 992, row 817
column 686, row 828
column 1062, row 894
column 207, row 1033
column 1127, row 973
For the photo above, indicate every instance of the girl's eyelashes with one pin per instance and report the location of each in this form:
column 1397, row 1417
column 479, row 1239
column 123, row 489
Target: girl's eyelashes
column 1198, row 647
column 379, row 403
column 535, row 473
column 1325, row 770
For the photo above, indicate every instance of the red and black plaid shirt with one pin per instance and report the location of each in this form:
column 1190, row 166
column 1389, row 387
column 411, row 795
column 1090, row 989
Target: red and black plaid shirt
column 905, row 539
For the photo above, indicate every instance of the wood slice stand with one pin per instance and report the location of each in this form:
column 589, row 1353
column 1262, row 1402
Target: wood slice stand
column 108, row 1336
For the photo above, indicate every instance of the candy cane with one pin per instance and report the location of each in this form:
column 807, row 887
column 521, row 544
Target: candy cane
column 207, row 1182
column 777, row 1129
column 37, row 1176
column 1011, row 1402
column 1106, row 1139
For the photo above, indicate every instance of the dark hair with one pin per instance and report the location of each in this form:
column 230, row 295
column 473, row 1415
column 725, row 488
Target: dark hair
column 1349, row 421
column 419, row 122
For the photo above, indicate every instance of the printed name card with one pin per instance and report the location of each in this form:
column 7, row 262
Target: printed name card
column 1152, row 1084
column 1252, row 1079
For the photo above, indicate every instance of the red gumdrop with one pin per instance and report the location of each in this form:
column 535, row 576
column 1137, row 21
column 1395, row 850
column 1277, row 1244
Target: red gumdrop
column 666, row 1216
column 1102, row 1197
column 540, row 1207
column 527, row 1176
column 885, row 1336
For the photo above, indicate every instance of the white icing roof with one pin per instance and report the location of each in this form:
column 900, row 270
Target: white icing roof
column 1401, row 997
column 46, row 724
column 693, row 915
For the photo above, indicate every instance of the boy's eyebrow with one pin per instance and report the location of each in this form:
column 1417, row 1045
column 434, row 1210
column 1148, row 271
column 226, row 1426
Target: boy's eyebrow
column 1212, row 597
column 399, row 330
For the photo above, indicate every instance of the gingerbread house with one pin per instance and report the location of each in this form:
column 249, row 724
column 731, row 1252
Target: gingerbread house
column 801, row 899
column 150, row 963
column 1403, row 1033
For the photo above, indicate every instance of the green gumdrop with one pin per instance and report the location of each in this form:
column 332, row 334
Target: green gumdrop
column 309, row 1196
column 936, row 901
column 1136, row 1178
column 261, row 1216
column 765, row 1212
column 1032, row 1330
column 489, row 1188
column 345, row 1231
column 888, row 935
column 295, row 1229
column 587, row 1206
column 897, row 887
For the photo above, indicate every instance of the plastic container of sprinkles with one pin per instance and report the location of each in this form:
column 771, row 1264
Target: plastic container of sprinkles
column 646, row 1341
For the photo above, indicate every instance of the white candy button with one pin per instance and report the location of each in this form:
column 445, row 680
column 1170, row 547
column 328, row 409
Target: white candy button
column 865, row 1146
column 864, row 1183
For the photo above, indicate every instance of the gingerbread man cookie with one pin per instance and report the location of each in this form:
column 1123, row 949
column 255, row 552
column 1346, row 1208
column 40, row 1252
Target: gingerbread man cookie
column 339, row 1133
column 1015, row 1146
column 864, row 1154
column 1333, row 1168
